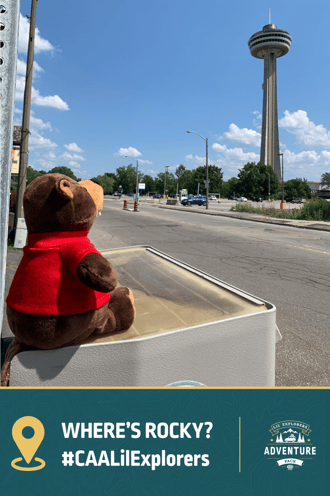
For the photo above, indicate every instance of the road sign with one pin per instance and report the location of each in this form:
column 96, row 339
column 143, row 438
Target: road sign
column 207, row 182
column 142, row 186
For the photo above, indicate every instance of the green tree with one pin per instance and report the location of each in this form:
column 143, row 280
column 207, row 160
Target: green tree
column 325, row 178
column 32, row 174
column 185, row 181
column 126, row 177
column 64, row 170
column 179, row 171
column 182, row 177
column 230, row 188
column 171, row 181
column 149, row 182
column 297, row 188
column 253, row 180
column 216, row 179
column 107, row 183
column 199, row 176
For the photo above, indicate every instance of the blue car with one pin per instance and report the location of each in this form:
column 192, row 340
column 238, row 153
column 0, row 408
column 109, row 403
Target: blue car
column 158, row 196
column 196, row 200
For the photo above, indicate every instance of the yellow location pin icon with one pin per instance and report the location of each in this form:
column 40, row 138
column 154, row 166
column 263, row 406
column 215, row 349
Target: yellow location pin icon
column 28, row 447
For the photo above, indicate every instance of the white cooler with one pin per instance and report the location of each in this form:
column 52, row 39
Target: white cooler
column 189, row 326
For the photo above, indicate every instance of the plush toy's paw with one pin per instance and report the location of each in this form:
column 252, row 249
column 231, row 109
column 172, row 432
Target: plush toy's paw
column 122, row 306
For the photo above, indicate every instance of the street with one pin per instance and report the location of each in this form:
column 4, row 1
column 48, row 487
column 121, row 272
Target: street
column 286, row 266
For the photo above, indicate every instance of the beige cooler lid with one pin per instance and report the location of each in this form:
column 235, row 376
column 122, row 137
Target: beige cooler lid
column 168, row 297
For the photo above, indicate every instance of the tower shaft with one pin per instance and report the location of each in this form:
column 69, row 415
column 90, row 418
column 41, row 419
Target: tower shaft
column 270, row 44
column 269, row 137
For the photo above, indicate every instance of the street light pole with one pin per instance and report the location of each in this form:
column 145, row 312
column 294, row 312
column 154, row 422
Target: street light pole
column 20, row 226
column 207, row 167
column 166, row 169
column 137, row 182
column 283, row 204
column 207, row 173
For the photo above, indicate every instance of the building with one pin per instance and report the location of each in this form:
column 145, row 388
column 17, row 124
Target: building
column 270, row 44
column 314, row 186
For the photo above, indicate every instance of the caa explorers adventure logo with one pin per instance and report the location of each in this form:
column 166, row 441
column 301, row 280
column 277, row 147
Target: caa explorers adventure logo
column 290, row 444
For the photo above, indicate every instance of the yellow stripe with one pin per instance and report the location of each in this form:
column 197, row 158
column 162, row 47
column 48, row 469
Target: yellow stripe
column 310, row 249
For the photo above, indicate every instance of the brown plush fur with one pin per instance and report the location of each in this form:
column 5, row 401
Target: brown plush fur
column 56, row 203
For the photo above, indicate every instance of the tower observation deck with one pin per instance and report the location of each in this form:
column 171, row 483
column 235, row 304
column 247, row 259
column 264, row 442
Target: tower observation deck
column 270, row 44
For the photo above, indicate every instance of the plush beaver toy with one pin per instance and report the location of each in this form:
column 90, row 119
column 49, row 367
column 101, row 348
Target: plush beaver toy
column 63, row 291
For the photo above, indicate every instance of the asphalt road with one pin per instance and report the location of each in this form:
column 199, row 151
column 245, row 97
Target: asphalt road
column 286, row 266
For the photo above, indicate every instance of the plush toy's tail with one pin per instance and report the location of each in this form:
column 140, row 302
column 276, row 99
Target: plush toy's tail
column 14, row 348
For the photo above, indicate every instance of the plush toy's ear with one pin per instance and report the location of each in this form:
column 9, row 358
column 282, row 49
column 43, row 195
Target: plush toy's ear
column 63, row 187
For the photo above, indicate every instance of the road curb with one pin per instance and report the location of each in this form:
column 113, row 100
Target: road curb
column 270, row 220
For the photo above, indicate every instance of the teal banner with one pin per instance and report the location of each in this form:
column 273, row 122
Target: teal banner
column 179, row 441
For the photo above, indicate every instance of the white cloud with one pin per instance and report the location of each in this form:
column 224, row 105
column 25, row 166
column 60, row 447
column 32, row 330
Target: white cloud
column 232, row 159
column 72, row 163
column 152, row 171
column 36, row 99
column 257, row 119
column 128, row 152
column 40, row 44
column 48, row 101
column 247, row 137
column 219, row 148
column 73, row 147
column 74, row 156
column 198, row 160
column 21, row 67
column 307, row 133
column 38, row 141
column 39, row 124
column 145, row 162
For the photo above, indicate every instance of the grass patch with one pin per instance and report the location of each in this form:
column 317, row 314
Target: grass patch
column 316, row 209
column 10, row 245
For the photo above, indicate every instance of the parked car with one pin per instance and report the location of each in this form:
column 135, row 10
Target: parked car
column 158, row 196
column 131, row 194
column 196, row 200
column 117, row 193
column 295, row 200
column 212, row 197
column 256, row 198
column 232, row 198
column 242, row 199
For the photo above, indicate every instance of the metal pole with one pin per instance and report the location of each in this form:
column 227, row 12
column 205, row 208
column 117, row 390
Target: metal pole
column 9, row 19
column 282, row 204
column 207, row 173
column 166, row 169
column 20, row 235
column 137, row 182
column 207, row 166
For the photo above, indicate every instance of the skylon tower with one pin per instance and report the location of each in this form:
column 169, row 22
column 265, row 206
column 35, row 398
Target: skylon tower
column 270, row 44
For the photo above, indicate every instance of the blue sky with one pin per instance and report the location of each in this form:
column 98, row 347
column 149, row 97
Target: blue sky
column 115, row 78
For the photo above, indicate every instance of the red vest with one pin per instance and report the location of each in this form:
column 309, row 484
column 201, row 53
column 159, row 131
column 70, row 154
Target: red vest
column 46, row 281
